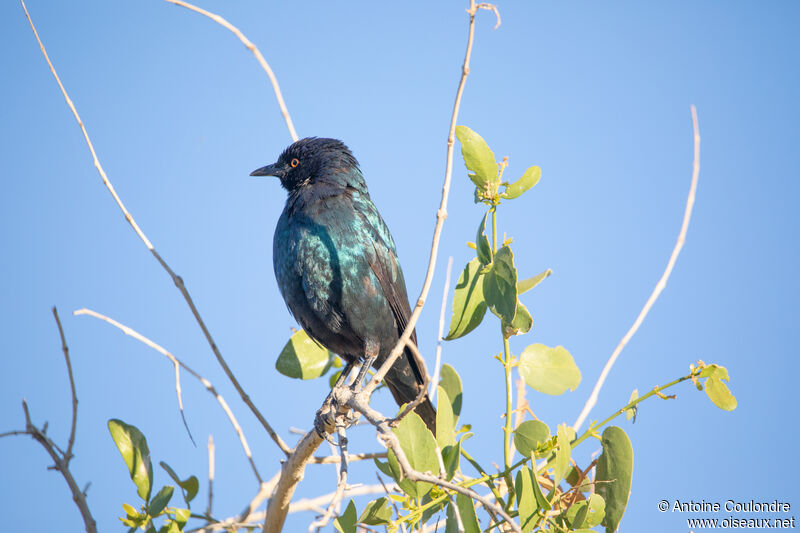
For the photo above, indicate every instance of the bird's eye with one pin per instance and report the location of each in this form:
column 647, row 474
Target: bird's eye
column 295, row 162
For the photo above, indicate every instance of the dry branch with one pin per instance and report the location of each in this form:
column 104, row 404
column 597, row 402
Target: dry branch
column 662, row 282
column 177, row 280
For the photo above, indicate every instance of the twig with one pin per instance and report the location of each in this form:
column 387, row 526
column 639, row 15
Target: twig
column 435, row 381
column 590, row 403
column 177, row 280
column 210, row 474
column 253, row 48
column 350, row 457
column 65, row 349
column 359, row 402
column 441, row 214
column 340, row 485
column 178, row 363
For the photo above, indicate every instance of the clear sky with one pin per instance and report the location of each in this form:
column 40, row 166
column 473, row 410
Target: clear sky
column 597, row 94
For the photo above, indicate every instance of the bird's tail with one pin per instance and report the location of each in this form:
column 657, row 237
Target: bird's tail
column 406, row 391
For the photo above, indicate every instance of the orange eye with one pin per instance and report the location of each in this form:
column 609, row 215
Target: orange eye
column 295, row 162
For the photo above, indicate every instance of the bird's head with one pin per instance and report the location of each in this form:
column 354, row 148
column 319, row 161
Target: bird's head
column 308, row 160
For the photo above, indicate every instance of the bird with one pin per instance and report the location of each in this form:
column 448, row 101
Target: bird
column 337, row 268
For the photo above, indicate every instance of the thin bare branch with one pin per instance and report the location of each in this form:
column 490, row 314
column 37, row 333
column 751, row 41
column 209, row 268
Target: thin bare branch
column 332, row 459
column 210, row 474
column 65, row 349
column 340, row 485
column 441, row 214
column 437, row 366
column 177, row 280
column 687, row 215
column 178, row 363
column 254, row 49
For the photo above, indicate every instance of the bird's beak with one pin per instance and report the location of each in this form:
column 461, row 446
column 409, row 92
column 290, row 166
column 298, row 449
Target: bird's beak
column 269, row 170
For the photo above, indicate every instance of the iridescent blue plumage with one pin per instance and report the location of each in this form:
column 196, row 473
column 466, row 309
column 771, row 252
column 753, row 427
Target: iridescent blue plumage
column 336, row 262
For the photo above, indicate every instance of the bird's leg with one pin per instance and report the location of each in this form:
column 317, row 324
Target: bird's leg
column 371, row 349
column 326, row 415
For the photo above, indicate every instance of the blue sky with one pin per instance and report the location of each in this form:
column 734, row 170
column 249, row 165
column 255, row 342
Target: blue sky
column 598, row 95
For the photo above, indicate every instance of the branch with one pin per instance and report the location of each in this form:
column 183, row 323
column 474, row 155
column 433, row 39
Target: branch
column 359, row 402
column 65, row 349
column 179, row 364
column 687, row 215
column 210, row 474
column 438, row 364
column 340, row 485
column 253, row 48
column 177, row 280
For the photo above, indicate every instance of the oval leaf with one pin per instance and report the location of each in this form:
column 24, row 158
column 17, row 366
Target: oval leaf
column 614, row 474
column 346, row 522
column 133, row 447
column 190, row 485
column 563, row 453
column 467, row 511
column 478, row 157
column 482, row 246
column 720, row 394
column 529, row 179
column 302, row 358
column 525, row 285
column 376, row 513
column 420, row 448
column 160, row 500
column 549, row 370
column 529, row 435
column 527, row 499
column 445, row 421
column 468, row 304
column 521, row 324
column 500, row 285
column 451, row 383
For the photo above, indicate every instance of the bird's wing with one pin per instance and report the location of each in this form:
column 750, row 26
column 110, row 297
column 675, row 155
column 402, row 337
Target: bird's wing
column 384, row 264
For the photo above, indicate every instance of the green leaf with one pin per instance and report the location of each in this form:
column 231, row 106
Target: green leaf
column 445, row 421
column 386, row 467
column 468, row 303
column 302, row 358
column 614, row 474
column 467, row 511
column 521, row 324
column 160, row 500
column 541, row 499
column 346, row 522
column 563, row 453
column 500, row 285
column 525, row 285
column 376, row 513
column 587, row 513
column 451, row 383
column 420, row 448
column 482, row 243
column 133, row 447
column 181, row 515
column 190, row 485
column 716, row 390
column 529, row 179
column 130, row 510
column 478, row 157
column 529, row 435
column 527, row 499
column 549, row 370
column 719, row 393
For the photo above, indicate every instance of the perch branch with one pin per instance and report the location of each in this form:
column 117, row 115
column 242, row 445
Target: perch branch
column 177, row 280
column 687, row 215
